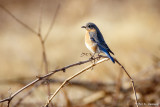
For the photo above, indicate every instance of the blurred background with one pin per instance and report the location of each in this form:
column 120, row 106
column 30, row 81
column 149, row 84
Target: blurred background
column 130, row 28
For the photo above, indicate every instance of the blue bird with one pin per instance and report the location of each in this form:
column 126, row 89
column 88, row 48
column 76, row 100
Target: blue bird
column 94, row 41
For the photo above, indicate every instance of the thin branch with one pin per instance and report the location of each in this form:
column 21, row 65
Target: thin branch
column 90, row 66
column 44, row 57
column 19, row 21
column 70, row 78
column 20, row 90
column 53, row 21
column 25, row 95
column 44, row 77
column 40, row 17
column 136, row 100
column 64, row 69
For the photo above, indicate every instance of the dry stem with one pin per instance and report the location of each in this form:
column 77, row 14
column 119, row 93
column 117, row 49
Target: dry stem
column 70, row 78
column 43, row 78
column 133, row 86
column 90, row 66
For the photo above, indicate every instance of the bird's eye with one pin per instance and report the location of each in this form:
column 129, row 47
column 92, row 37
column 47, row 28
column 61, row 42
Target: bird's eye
column 89, row 26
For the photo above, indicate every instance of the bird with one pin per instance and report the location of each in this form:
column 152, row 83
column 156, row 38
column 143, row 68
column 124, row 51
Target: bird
column 95, row 42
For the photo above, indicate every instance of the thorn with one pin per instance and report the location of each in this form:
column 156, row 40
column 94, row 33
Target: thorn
column 63, row 69
column 39, row 77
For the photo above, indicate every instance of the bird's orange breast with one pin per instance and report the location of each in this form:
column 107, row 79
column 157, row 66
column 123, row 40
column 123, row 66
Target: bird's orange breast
column 89, row 43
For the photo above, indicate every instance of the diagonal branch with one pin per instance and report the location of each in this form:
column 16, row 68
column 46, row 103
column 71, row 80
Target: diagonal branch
column 53, row 21
column 90, row 66
column 9, row 99
column 70, row 78
column 26, row 94
column 40, row 17
column 133, row 86
column 19, row 21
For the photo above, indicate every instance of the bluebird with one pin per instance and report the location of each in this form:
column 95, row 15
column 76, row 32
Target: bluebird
column 94, row 41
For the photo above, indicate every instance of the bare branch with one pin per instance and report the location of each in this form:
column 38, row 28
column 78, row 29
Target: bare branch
column 44, row 77
column 40, row 17
column 70, row 78
column 19, row 21
column 44, row 59
column 90, row 66
column 27, row 94
column 53, row 21
column 136, row 100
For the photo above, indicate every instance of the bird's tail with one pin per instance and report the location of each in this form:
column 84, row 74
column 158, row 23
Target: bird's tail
column 112, row 59
column 107, row 53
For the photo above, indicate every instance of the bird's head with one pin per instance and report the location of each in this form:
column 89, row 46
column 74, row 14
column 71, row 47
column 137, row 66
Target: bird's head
column 91, row 27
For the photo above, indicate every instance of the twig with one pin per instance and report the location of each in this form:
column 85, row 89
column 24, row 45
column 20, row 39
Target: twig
column 44, row 77
column 19, row 21
column 136, row 100
column 43, row 42
column 70, row 78
column 40, row 17
column 27, row 94
column 53, row 21
column 91, row 66
column 38, row 34
column 44, row 57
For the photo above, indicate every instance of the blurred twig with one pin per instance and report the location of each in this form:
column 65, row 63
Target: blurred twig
column 44, row 56
column 43, row 41
column 68, row 102
column 19, row 21
column 40, row 17
column 86, row 84
column 94, row 86
column 38, row 34
column 44, row 59
column 53, row 21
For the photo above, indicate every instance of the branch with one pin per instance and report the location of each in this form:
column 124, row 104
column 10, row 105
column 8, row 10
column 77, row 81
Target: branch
column 53, row 21
column 19, row 21
column 90, row 66
column 132, row 82
column 27, row 94
column 70, row 78
column 40, row 17
column 44, row 77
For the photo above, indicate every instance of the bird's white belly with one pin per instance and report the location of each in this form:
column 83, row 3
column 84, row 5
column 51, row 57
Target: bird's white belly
column 90, row 47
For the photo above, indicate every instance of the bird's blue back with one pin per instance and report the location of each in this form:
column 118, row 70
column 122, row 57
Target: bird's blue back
column 98, row 38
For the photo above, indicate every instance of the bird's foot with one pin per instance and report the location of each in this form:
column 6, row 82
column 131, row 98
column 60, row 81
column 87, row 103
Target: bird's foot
column 85, row 54
column 99, row 56
column 92, row 58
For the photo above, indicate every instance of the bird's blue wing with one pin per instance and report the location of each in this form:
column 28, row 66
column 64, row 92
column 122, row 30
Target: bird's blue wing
column 98, row 38
column 101, row 44
column 107, row 53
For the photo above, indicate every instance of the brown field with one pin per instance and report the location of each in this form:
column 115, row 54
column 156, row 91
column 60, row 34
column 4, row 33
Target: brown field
column 131, row 28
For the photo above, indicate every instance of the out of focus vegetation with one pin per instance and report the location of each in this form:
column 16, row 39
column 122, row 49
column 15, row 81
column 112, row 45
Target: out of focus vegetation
column 130, row 27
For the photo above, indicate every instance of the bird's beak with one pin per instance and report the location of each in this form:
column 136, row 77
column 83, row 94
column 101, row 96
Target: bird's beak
column 83, row 27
